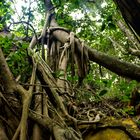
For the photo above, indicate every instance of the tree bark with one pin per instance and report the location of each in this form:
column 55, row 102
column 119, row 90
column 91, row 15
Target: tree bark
column 130, row 10
column 128, row 33
column 115, row 65
column 122, row 68
column 5, row 74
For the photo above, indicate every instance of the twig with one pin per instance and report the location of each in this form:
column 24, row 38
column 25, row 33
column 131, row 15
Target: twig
column 17, row 133
column 19, row 22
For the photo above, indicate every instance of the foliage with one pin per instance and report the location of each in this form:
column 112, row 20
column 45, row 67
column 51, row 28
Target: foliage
column 16, row 56
column 5, row 13
column 93, row 22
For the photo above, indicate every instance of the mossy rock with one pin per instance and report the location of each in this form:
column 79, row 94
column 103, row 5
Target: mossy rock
column 108, row 134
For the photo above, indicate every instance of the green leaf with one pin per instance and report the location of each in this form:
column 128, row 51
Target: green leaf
column 109, row 18
column 111, row 26
column 103, row 92
column 103, row 26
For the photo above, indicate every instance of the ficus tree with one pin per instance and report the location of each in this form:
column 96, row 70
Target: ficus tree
column 45, row 75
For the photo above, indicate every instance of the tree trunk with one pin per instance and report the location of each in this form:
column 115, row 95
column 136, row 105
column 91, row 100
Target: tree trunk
column 130, row 10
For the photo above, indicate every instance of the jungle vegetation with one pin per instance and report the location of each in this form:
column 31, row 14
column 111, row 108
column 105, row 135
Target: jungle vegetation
column 69, row 69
